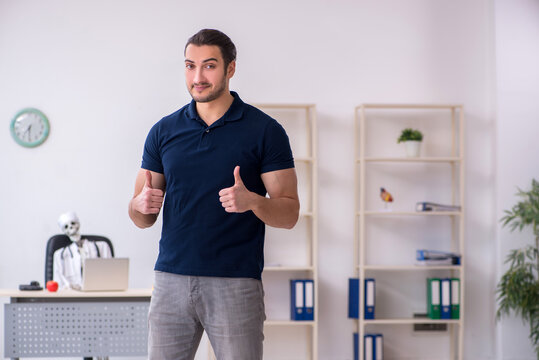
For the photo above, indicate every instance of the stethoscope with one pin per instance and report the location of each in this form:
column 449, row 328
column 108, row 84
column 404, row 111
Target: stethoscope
column 71, row 252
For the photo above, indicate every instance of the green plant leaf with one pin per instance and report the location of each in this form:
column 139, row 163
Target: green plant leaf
column 518, row 289
column 410, row 134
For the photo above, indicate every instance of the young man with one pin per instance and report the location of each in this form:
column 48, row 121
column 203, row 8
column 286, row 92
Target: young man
column 216, row 158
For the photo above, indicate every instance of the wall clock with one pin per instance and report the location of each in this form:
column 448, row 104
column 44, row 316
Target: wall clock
column 30, row 127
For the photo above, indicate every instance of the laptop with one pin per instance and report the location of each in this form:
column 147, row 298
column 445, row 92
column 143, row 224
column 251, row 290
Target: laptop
column 105, row 274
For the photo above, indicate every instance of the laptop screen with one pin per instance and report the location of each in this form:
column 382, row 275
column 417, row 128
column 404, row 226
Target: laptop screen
column 105, row 274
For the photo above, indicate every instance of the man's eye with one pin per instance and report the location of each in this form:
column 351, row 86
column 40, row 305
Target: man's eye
column 189, row 66
column 210, row 66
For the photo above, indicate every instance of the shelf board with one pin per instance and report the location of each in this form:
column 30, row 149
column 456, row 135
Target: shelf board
column 411, row 213
column 305, row 159
column 288, row 323
column 272, row 268
column 411, row 267
column 408, row 106
column 284, row 106
column 412, row 160
column 411, row 321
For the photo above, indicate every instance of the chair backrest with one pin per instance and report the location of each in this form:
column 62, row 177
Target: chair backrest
column 59, row 241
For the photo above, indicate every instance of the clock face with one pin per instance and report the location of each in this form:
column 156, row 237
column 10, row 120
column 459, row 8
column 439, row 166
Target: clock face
column 30, row 127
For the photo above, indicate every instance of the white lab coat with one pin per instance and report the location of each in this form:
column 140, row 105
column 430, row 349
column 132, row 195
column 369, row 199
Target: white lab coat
column 67, row 262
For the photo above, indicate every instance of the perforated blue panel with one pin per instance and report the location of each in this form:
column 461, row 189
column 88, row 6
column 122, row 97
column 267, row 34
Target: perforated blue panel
column 76, row 329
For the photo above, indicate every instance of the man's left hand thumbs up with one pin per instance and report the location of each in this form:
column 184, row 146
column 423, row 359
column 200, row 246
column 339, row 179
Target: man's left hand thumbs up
column 237, row 178
column 236, row 199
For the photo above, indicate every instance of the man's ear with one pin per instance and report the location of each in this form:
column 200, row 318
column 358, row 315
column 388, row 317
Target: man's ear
column 231, row 69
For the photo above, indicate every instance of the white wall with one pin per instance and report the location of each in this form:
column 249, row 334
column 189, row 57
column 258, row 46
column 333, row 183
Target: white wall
column 105, row 71
column 517, row 59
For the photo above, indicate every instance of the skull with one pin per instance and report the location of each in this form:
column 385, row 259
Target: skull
column 70, row 225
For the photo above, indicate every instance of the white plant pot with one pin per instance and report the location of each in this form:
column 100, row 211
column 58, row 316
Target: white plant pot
column 412, row 148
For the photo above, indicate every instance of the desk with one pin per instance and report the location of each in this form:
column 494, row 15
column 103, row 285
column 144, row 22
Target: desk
column 74, row 323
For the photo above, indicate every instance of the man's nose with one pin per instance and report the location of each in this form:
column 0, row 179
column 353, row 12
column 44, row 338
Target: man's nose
column 199, row 76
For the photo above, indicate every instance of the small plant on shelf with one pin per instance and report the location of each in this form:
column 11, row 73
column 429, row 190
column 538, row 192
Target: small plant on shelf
column 409, row 134
column 518, row 289
column 412, row 139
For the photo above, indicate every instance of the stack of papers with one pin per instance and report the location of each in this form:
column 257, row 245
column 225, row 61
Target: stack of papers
column 429, row 206
column 434, row 257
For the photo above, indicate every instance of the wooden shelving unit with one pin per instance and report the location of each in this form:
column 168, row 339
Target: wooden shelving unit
column 395, row 118
column 299, row 121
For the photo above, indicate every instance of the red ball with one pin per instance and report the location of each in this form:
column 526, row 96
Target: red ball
column 52, row 286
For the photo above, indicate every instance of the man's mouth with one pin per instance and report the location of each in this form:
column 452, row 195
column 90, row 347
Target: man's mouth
column 200, row 87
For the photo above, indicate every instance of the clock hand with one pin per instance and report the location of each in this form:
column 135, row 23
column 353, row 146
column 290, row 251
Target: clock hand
column 28, row 131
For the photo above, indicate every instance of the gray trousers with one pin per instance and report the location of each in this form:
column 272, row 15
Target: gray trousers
column 231, row 310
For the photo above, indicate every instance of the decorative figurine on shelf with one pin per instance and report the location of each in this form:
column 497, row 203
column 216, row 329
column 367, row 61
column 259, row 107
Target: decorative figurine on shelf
column 386, row 197
column 69, row 260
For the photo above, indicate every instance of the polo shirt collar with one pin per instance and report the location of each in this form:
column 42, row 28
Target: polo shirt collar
column 234, row 112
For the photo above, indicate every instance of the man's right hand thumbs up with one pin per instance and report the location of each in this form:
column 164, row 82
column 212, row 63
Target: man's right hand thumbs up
column 149, row 200
column 148, row 183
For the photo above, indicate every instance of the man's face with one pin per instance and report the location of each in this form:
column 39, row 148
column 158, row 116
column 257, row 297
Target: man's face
column 205, row 73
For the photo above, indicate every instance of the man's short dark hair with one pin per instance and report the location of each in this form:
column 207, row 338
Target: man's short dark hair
column 217, row 38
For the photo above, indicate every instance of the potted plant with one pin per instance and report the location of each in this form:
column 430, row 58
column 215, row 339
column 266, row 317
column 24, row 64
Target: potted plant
column 412, row 139
column 518, row 289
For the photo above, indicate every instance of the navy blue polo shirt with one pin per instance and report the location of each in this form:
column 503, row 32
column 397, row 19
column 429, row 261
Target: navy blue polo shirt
column 199, row 237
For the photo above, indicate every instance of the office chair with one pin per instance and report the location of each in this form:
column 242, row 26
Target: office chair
column 59, row 241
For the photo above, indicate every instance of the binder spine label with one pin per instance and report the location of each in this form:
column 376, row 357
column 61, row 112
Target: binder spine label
column 433, row 298
column 455, row 298
column 446, row 299
column 369, row 298
column 379, row 347
column 368, row 350
column 297, row 303
column 309, row 300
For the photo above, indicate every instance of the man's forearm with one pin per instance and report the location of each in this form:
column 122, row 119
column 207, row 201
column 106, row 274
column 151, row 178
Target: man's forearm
column 278, row 212
column 141, row 220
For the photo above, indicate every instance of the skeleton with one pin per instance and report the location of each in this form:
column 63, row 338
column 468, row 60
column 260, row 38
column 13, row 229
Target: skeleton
column 70, row 225
column 69, row 260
